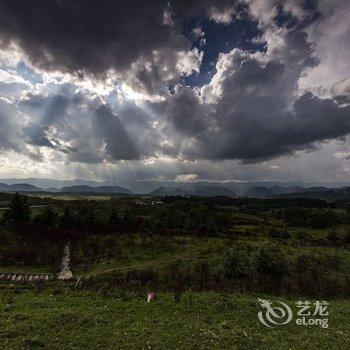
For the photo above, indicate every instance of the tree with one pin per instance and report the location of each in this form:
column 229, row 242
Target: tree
column 113, row 217
column 66, row 221
column 19, row 211
column 48, row 218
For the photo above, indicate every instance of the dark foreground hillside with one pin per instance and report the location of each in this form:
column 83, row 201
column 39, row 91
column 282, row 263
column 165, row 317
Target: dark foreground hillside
column 209, row 260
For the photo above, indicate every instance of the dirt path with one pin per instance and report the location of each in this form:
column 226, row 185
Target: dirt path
column 65, row 273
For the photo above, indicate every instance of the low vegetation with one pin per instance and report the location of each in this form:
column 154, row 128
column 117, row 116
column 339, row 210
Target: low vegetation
column 209, row 259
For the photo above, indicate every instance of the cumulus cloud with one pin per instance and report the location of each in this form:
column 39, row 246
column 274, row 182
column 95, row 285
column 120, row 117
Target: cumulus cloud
column 189, row 62
column 341, row 91
column 267, row 11
column 152, row 79
column 263, row 11
column 330, row 34
column 187, row 112
column 253, row 106
column 112, row 85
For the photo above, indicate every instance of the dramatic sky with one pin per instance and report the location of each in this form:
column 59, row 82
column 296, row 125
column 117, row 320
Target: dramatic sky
column 166, row 89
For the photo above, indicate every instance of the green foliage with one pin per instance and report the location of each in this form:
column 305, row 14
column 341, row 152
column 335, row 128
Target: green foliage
column 48, row 218
column 188, row 243
column 318, row 218
column 113, row 217
column 18, row 212
column 278, row 233
column 271, row 261
column 237, row 263
column 66, row 220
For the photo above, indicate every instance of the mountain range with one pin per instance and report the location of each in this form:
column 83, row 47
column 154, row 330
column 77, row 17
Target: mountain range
column 267, row 189
column 198, row 190
column 145, row 187
column 24, row 187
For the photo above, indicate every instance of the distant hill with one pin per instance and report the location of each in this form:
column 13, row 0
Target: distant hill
column 201, row 188
column 214, row 191
column 321, row 193
column 259, row 192
column 22, row 187
column 47, row 183
column 99, row 189
column 146, row 186
column 277, row 189
column 318, row 192
column 202, row 191
column 52, row 189
column 169, row 191
column 315, row 189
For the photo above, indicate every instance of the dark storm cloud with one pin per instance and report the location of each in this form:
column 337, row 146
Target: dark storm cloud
column 119, row 144
column 10, row 132
column 87, row 130
column 258, row 136
column 249, row 110
column 59, row 122
column 47, row 110
column 186, row 112
column 37, row 135
column 85, row 36
column 95, row 36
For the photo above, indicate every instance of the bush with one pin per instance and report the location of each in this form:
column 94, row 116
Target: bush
column 279, row 234
column 271, row 261
column 237, row 263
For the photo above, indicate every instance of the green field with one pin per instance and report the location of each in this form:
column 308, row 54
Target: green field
column 70, row 196
column 61, row 318
column 208, row 263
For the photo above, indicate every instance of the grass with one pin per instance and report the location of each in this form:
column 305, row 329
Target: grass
column 156, row 252
column 56, row 316
column 71, row 196
column 61, row 318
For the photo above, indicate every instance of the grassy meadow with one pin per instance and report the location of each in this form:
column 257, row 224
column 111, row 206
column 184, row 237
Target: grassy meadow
column 208, row 260
column 62, row 318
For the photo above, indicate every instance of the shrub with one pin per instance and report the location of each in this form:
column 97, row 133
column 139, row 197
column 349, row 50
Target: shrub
column 271, row 261
column 237, row 263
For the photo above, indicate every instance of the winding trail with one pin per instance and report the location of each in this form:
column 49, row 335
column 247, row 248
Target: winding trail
column 65, row 273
